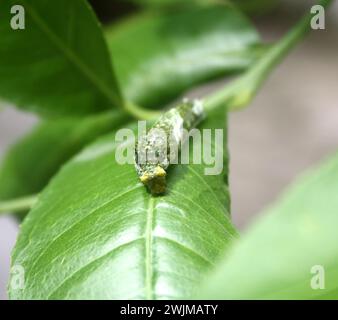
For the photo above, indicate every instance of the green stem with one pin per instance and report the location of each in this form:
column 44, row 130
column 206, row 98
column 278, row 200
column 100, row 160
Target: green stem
column 17, row 205
column 241, row 92
column 140, row 113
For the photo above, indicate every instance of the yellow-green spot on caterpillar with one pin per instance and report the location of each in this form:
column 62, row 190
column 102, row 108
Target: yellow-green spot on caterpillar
column 155, row 151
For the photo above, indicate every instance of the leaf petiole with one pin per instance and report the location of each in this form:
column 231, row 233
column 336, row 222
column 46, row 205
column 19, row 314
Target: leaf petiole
column 17, row 205
column 139, row 112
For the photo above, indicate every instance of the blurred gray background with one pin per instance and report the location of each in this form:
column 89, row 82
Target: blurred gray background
column 291, row 126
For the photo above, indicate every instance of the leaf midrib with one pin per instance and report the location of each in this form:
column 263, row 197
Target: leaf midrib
column 149, row 249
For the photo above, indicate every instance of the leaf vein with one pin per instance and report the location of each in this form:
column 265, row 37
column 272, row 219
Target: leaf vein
column 90, row 263
column 79, row 221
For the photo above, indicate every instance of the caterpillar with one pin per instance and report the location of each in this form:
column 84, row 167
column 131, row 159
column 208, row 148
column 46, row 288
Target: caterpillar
column 155, row 150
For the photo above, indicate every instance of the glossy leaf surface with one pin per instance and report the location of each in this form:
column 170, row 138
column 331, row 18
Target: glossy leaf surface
column 157, row 56
column 96, row 233
column 59, row 63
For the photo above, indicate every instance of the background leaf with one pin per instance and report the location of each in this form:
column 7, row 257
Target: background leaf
column 97, row 233
column 275, row 258
column 170, row 3
column 57, row 65
column 30, row 163
column 158, row 56
column 250, row 6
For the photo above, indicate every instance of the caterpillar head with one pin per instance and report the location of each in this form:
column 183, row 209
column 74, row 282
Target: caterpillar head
column 154, row 179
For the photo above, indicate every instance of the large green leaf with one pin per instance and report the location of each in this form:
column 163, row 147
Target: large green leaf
column 96, row 233
column 158, row 56
column 283, row 253
column 59, row 64
column 31, row 162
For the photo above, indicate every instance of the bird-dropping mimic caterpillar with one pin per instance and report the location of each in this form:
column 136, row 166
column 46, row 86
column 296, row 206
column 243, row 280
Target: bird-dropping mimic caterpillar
column 156, row 149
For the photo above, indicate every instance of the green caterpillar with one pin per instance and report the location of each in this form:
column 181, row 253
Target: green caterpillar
column 162, row 143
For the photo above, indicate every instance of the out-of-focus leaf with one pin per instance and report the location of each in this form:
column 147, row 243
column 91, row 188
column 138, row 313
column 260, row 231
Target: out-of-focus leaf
column 96, row 233
column 158, row 56
column 284, row 254
column 59, row 64
column 30, row 163
column 171, row 3
column 248, row 6
column 256, row 7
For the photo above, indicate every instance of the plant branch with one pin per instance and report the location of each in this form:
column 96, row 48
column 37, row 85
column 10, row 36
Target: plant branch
column 242, row 91
column 17, row 205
